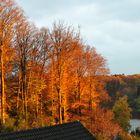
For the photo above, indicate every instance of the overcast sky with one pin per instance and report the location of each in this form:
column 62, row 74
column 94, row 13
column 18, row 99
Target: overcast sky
column 111, row 26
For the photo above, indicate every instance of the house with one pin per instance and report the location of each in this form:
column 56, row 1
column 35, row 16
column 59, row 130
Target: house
column 67, row 131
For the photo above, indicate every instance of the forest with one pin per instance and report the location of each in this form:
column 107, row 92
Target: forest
column 51, row 76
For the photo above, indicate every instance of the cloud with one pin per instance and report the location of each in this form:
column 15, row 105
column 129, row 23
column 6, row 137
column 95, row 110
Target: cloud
column 113, row 27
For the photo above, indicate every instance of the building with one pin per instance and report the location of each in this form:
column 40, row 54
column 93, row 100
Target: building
column 67, row 131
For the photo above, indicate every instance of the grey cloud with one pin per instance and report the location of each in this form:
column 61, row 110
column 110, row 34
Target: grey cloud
column 51, row 7
column 113, row 27
column 122, row 9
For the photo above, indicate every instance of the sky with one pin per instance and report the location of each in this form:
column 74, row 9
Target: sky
column 111, row 26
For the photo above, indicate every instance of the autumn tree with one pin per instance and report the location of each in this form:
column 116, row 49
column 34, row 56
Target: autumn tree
column 96, row 67
column 9, row 15
column 50, row 76
column 63, row 40
column 104, row 126
column 38, row 67
column 79, row 75
column 23, row 47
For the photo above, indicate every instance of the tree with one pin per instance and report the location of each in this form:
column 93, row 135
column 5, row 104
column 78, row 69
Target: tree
column 9, row 15
column 63, row 41
column 122, row 113
column 104, row 125
column 52, row 77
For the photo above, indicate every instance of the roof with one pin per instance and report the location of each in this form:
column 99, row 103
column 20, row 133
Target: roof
column 67, row 131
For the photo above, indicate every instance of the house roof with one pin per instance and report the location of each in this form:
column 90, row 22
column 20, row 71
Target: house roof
column 67, row 131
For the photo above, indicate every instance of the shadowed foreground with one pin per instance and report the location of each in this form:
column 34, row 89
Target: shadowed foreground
column 68, row 131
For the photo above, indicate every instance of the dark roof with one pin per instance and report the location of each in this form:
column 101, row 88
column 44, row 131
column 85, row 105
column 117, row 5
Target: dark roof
column 67, row 131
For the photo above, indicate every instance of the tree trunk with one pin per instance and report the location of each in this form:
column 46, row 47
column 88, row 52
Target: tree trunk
column 90, row 104
column 41, row 111
column 59, row 105
column 37, row 109
column 2, row 87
